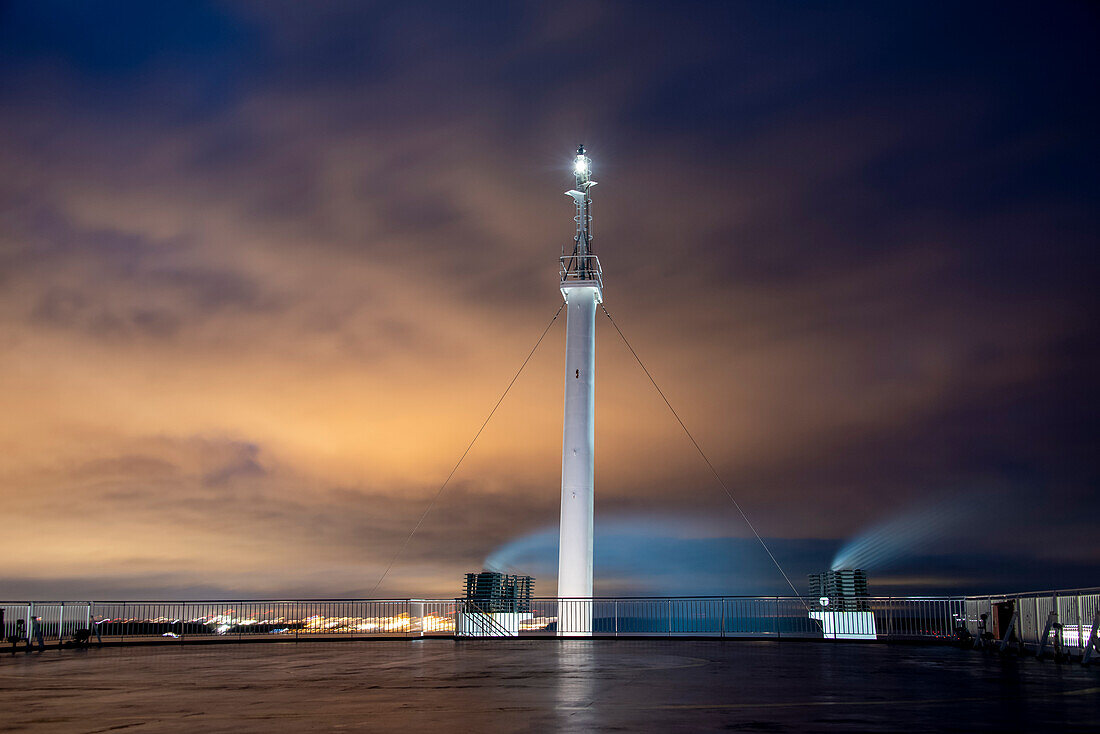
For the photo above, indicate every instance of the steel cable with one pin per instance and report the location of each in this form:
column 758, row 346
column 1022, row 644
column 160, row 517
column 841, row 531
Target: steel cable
column 703, row 455
column 467, row 451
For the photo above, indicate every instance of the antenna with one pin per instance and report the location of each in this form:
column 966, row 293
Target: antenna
column 579, row 265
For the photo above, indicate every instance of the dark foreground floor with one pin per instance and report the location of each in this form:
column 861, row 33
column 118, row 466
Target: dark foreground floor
column 541, row 685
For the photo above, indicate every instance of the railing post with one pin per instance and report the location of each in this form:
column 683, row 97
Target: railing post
column 778, row 629
column 1080, row 627
column 1020, row 624
column 616, row 617
column 670, row 617
column 1037, row 630
column 60, row 623
column 1057, row 616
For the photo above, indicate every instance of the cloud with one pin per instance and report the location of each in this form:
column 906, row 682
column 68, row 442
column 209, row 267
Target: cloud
column 266, row 268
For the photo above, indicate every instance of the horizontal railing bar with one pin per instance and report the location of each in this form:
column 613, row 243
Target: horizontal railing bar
column 1058, row 592
column 443, row 599
column 974, row 597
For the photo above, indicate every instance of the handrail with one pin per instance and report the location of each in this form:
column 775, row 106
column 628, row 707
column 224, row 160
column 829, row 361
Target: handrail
column 934, row 618
column 1047, row 592
column 580, row 268
column 17, row 602
column 495, row 626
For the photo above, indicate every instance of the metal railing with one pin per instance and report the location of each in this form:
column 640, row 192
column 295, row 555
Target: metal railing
column 580, row 269
column 880, row 618
column 129, row 621
column 1028, row 613
column 761, row 617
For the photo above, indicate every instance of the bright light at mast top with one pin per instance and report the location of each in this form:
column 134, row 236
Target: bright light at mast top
column 580, row 163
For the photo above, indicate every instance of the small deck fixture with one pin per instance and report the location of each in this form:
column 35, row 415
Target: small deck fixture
column 845, row 613
column 496, row 605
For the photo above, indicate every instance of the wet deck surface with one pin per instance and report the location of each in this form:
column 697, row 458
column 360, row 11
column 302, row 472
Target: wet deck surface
column 540, row 685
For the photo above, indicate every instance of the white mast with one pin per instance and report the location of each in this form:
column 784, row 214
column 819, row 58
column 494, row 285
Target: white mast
column 582, row 288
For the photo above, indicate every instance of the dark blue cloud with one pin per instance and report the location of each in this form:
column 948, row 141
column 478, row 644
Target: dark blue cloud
column 116, row 39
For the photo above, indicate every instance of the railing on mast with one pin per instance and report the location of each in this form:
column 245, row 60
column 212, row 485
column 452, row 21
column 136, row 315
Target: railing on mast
column 575, row 269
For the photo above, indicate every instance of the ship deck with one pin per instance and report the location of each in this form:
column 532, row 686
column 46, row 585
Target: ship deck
column 541, row 685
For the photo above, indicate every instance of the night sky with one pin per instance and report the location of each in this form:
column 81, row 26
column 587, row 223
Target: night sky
column 265, row 267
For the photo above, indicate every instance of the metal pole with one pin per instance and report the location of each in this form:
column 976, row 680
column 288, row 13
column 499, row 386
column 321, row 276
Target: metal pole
column 1019, row 628
column 575, row 531
column 1052, row 618
column 60, row 623
column 1058, row 617
column 989, row 621
column 1006, row 635
column 1094, row 638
